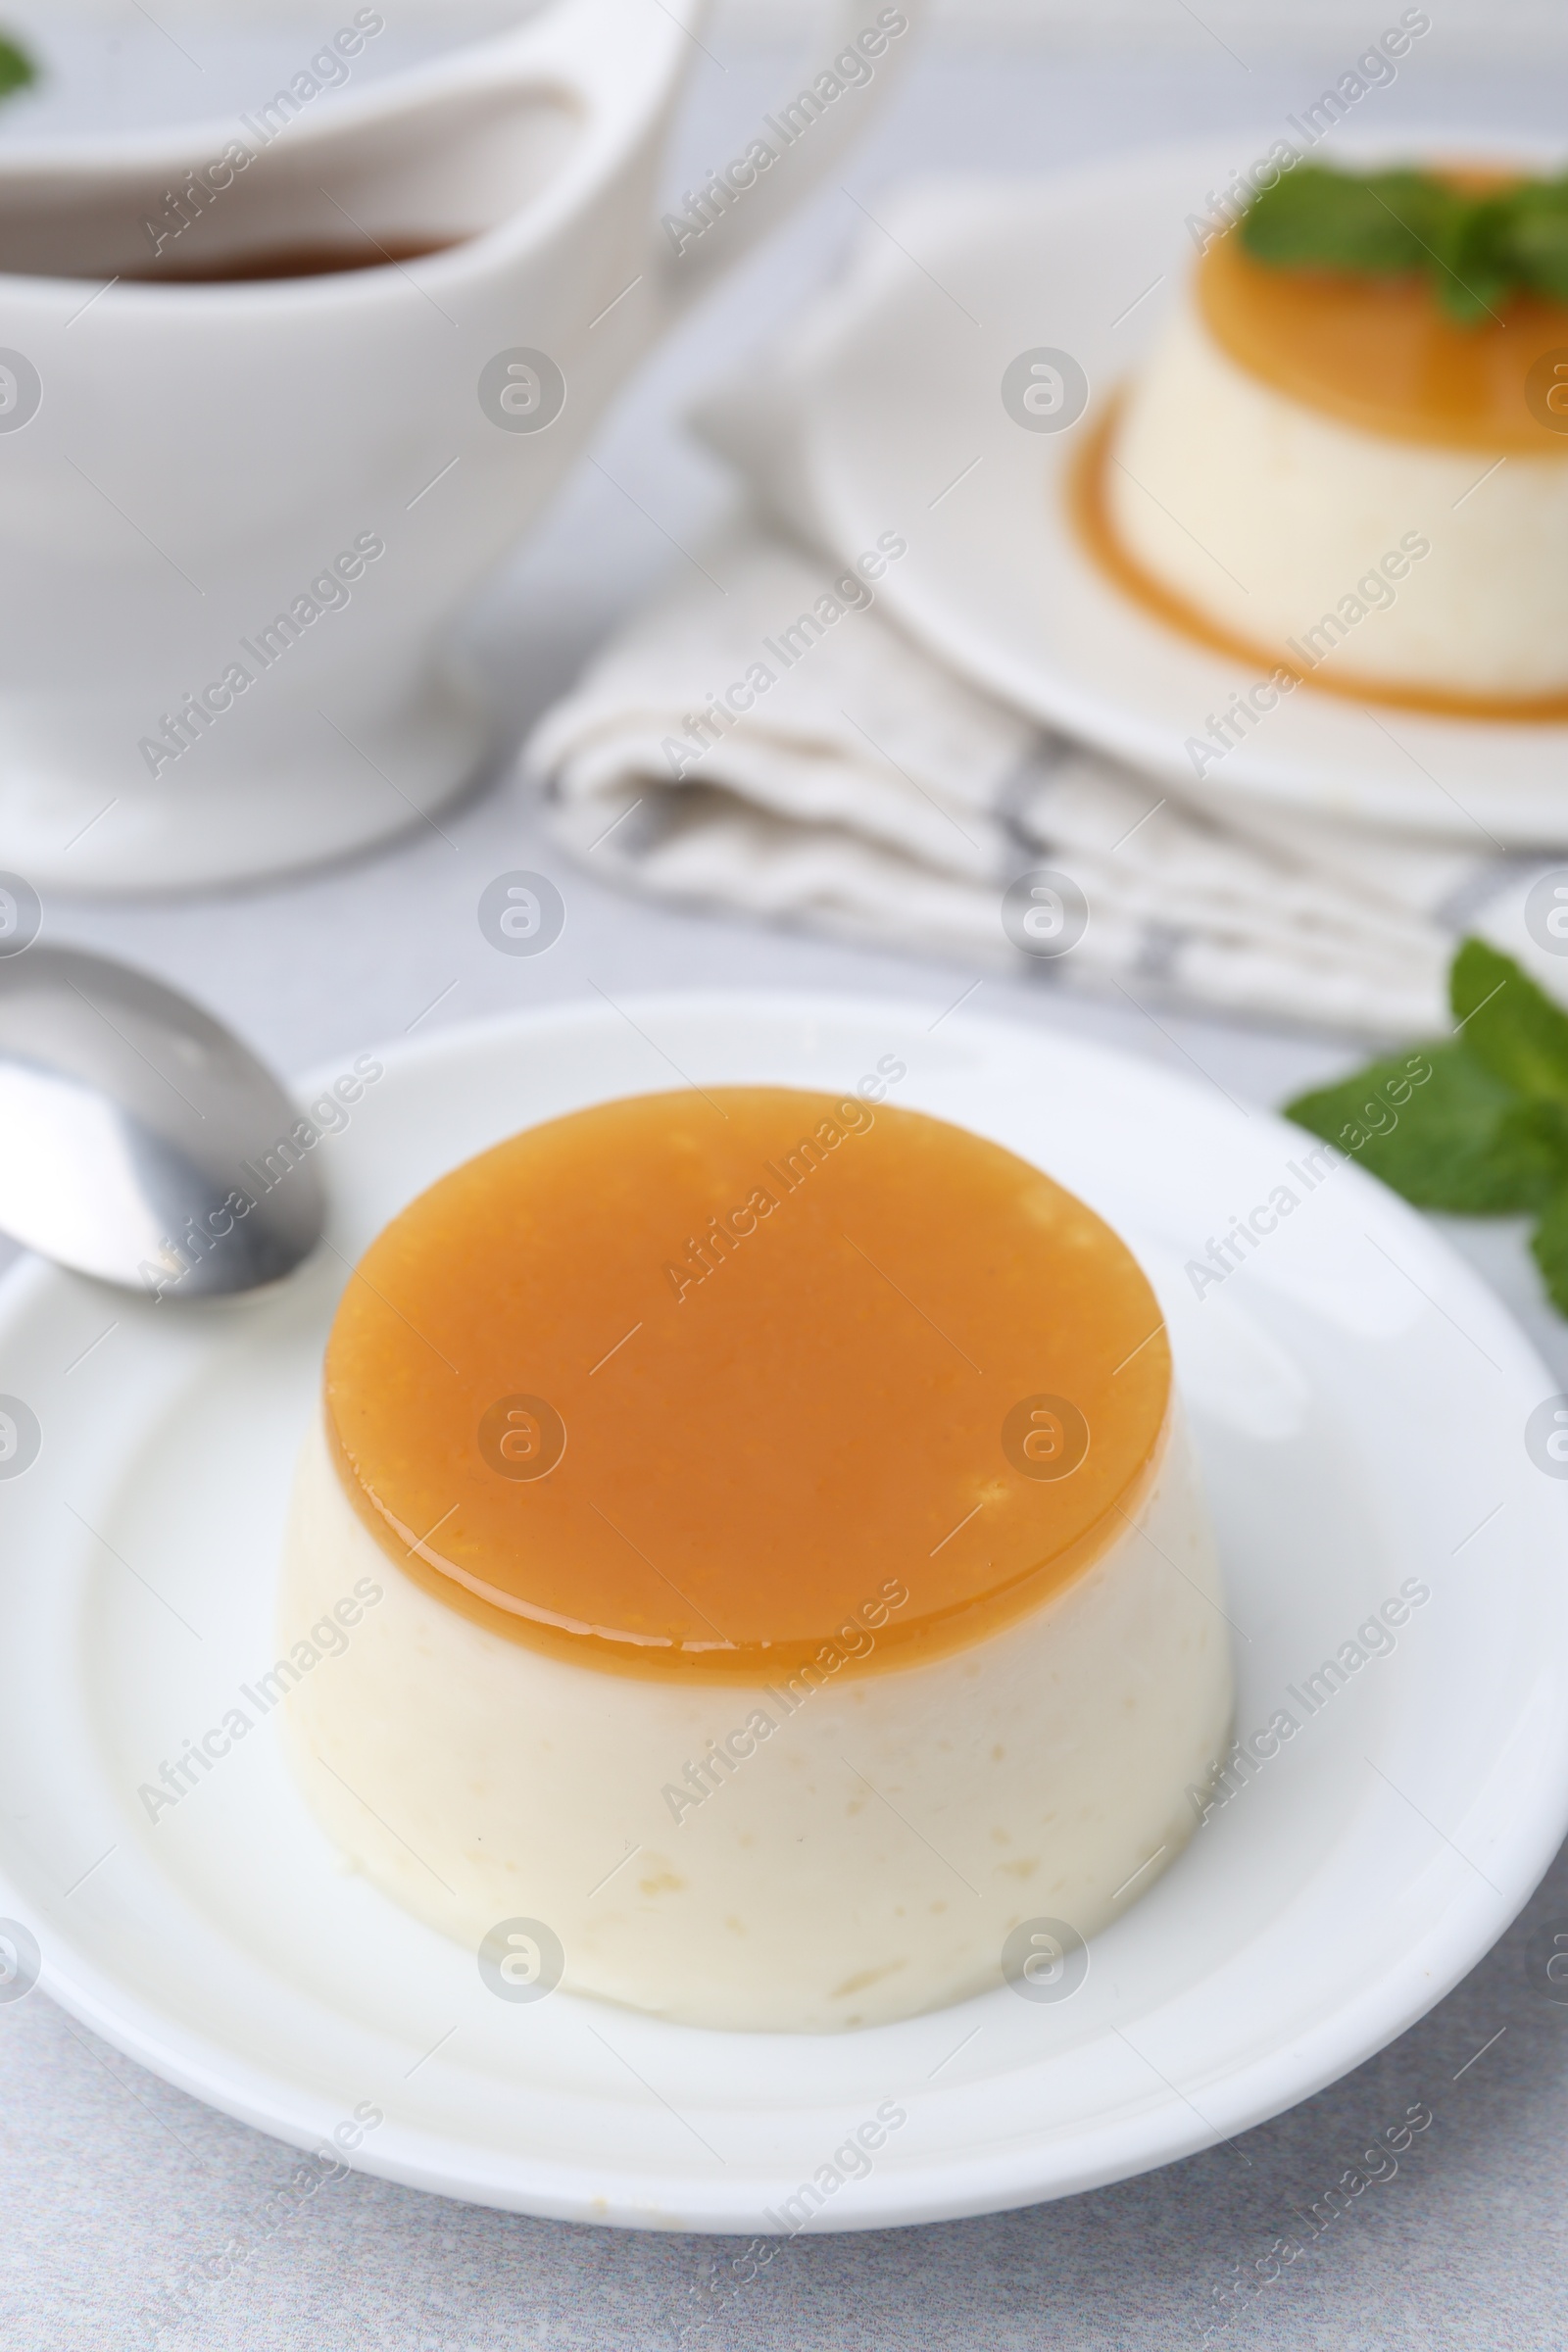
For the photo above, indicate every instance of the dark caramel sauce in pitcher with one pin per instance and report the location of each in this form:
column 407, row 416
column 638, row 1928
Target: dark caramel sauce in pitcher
column 270, row 262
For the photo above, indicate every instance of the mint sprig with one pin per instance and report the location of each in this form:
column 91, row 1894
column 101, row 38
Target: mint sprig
column 17, row 69
column 1474, row 250
column 1484, row 1130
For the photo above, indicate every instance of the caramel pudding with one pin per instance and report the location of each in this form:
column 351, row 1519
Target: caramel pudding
column 793, row 1571
column 1328, row 475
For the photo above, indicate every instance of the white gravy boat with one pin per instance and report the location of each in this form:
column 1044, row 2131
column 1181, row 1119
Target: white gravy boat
column 237, row 517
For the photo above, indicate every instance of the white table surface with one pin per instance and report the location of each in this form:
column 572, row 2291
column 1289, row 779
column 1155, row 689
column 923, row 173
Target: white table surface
column 111, row 2185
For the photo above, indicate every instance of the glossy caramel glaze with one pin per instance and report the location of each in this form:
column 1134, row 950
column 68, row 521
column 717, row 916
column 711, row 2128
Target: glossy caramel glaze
column 804, row 1446
column 1379, row 353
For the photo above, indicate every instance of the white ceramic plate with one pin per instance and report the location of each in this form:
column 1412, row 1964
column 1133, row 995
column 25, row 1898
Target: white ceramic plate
column 1359, row 1403
column 903, row 395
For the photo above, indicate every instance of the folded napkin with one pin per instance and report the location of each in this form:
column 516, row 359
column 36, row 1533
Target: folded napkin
column 783, row 748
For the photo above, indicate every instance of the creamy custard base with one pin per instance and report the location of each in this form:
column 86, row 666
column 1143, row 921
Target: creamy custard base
column 863, row 1862
column 792, row 1571
column 1329, row 475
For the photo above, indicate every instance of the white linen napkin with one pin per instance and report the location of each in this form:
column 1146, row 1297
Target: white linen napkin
column 871, row 792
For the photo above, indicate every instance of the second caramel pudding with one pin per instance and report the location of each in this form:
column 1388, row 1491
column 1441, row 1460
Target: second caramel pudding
column 1324, row 472
column 786, row 1500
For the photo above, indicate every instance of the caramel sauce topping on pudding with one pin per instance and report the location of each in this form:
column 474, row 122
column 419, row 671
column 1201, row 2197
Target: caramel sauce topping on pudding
column 697, row 1383
column 1378, row 352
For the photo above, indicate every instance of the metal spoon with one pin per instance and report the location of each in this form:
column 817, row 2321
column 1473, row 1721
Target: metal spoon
column 139, row 1140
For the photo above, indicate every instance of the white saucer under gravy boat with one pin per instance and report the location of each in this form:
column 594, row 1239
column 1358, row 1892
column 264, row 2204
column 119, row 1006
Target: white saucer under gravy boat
column 237, row 517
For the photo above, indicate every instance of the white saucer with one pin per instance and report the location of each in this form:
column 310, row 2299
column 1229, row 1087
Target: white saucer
column 903, row 398
column 1359, row 1403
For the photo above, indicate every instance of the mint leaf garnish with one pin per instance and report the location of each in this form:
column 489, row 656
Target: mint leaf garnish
column 1455, row 1141
column 17, row 69
column 1539, row 235
column 1380, row 225
column 1476, row 1125
column 1507, row 1024
column 1475, row 250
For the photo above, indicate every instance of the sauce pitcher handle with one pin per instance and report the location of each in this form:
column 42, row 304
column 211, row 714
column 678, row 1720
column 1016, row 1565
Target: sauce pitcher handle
column 795, row 145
